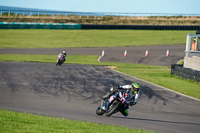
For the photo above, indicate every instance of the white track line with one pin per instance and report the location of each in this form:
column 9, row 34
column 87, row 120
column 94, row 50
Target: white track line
column 100, row 58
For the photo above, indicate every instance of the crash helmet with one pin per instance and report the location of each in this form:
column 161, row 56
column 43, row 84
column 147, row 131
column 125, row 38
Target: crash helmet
column 136, row 86
column 64, row 52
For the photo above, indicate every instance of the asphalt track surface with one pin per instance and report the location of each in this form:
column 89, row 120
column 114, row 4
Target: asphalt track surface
column 75, row 91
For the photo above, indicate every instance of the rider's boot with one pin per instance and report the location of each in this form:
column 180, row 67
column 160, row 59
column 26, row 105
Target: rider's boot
column 107, row 96
column 125, row 111
column 103, row 107
column 112, row 90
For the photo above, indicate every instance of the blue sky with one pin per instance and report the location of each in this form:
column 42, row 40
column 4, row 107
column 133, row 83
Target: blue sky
column 124, row 6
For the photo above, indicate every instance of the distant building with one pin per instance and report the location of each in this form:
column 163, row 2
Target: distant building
column 192, row 51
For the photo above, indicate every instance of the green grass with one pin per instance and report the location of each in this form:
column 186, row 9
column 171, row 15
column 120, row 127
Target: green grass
column 156, row 74
column 24, row 122
column 32, row 38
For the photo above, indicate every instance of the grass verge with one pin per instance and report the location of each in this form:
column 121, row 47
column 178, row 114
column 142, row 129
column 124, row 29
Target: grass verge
column 34, row 38
column 24, row 122
column 156, row 74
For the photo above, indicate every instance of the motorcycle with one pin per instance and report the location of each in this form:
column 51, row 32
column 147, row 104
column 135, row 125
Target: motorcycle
column 115, row 103
column 60, row 60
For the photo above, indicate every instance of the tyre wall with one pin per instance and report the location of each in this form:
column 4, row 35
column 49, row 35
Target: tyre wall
column 140, row 27
column 185, row 73
column 16, row 25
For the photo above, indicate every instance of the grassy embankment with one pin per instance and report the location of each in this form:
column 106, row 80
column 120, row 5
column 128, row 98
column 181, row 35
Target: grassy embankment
column 89, row 38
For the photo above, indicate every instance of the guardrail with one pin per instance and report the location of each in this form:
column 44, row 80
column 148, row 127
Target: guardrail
column 96, row 14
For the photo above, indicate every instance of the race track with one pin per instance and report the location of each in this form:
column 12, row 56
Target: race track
column 75, row 91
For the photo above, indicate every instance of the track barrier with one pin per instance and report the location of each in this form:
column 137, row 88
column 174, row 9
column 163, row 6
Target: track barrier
column 142, row 27
column 185, row 73
column 18, row 25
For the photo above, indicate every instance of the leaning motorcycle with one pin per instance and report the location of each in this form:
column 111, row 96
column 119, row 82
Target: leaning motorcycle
column 60, row 60
column 115, row 103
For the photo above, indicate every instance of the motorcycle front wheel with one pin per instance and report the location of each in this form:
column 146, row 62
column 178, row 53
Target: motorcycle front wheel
column 59, row 63
column 99, row 111
column 112, row 108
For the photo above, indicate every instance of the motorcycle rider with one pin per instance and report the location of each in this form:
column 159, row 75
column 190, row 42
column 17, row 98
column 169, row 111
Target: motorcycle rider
column 134, row 87
column 64, row 54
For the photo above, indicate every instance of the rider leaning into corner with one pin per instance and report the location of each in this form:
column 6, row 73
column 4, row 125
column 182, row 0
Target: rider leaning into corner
column 64, row 54
column 134, row 87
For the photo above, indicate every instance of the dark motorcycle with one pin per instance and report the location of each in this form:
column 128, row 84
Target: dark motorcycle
column 115, row 103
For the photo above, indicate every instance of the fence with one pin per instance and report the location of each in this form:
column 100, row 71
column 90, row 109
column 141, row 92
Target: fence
column 105, row 17
column 185, row 73
column 97, row 14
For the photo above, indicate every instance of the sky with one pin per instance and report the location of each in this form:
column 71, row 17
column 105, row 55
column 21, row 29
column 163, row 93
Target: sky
column 123, row 6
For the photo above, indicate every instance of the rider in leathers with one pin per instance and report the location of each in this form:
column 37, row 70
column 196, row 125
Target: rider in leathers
column 134, row 87
column 64, row 54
